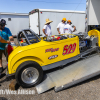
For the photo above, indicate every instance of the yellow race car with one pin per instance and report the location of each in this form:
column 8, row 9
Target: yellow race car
column 35, row 55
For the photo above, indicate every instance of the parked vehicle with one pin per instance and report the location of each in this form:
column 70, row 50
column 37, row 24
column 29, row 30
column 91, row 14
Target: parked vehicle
column 16, row 21
column 34, row 54
column 37, row 18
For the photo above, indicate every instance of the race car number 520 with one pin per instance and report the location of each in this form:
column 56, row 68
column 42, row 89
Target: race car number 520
column 69, row 49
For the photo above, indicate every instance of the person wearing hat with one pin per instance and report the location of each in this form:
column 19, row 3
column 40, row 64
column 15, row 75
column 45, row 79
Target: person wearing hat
column 5, row 35
column 68, row 28
column 47, row 28
column 1, row 39
column 60, row 27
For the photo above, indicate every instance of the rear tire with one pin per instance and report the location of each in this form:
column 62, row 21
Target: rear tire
column 29, row 74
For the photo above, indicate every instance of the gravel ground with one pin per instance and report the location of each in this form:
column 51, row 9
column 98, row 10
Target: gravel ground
column 88, row 90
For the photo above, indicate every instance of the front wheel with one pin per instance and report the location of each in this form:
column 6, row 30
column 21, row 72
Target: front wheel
column 29, row 74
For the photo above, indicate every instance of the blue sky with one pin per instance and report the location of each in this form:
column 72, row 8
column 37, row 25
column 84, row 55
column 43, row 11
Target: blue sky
column 25, row 6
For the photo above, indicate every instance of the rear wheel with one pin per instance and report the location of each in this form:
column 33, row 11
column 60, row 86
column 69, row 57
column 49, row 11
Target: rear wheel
column 29, row 74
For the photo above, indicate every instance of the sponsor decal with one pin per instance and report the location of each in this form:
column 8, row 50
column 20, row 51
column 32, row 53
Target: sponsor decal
column 69, row 49
column 51, row 50
column 52, row 57
column 66, row 28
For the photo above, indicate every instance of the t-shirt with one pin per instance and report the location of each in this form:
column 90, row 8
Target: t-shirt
column 61, row 27
column 47, row 29
column 5, row 34
column 68, row 29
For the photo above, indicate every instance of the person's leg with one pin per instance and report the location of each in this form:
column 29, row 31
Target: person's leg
column 1, row 68
column 1, row 62
column 0, row 58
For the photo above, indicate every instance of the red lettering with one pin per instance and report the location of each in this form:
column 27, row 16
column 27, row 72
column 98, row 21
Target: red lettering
column 74, row 47
column 69, row 49
column 51, row 50
column 57, row 49
column 65, row 50
column 46, row 50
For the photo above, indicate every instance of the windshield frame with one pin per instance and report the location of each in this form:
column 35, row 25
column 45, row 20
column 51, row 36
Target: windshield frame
column 24, row 34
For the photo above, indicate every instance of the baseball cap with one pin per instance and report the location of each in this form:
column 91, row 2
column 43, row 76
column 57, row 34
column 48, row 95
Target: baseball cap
column 69, row 21
column 64, row 19
column 3, row 22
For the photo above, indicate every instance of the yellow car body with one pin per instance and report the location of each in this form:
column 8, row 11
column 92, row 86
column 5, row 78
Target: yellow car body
column 42, row 51
column 30, row 59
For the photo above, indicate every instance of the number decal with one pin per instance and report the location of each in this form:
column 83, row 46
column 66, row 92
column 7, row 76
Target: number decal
column 69, row 49
column 74, row 47
column 65, row 50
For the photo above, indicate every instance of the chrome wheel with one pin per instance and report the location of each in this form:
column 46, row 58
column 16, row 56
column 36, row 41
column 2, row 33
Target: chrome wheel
column 30, row 75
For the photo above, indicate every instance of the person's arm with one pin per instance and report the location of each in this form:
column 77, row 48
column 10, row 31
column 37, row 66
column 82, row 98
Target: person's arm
column 74, row 29
column 58, row 28
column 3, row 41
column 10, row 36
column 44, row 30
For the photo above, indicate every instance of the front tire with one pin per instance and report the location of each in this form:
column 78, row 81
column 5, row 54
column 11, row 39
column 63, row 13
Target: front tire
column 29, row 74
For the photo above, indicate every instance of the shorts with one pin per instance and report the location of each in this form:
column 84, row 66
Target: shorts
column 2, row 52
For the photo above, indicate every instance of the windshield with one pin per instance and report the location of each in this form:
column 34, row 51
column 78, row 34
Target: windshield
column 32, row 37
column 27, row 37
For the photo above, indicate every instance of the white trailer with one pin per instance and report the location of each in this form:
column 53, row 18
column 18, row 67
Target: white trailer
column 37, row 19
column 16, row 21
column 93, row 14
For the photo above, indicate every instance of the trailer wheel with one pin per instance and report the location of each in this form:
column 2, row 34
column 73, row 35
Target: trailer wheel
column 29, row 74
